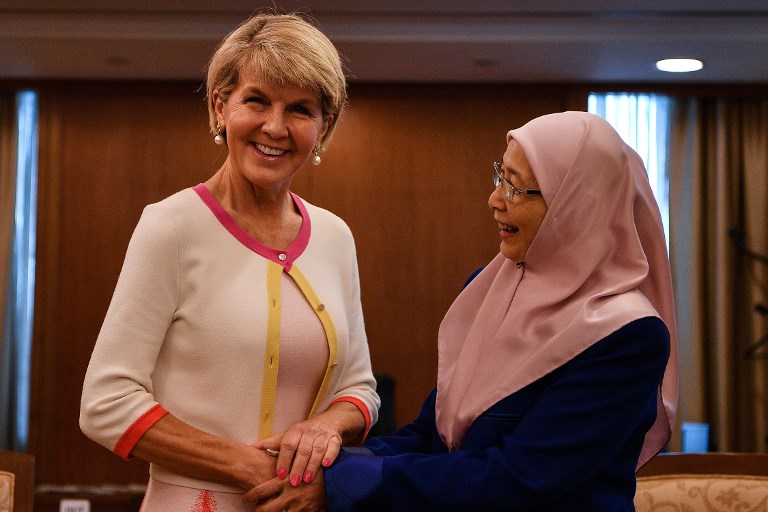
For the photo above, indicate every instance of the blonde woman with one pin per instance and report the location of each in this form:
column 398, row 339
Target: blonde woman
column 237, row 315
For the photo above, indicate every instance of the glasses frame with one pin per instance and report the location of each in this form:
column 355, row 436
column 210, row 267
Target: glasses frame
column 509, row 189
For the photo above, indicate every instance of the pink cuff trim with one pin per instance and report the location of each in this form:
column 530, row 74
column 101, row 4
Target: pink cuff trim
column 363, row 409
column 131, row 436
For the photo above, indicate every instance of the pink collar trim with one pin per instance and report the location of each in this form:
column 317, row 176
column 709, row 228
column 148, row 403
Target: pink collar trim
column 283, row 257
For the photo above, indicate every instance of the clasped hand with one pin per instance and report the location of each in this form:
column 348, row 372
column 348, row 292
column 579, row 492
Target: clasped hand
column 303, row 449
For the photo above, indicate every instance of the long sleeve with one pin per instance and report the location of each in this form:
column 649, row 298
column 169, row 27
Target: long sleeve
column 117, row 392
column 419, row 436
column 334, row 266
column 576, row 442
column 357, row 384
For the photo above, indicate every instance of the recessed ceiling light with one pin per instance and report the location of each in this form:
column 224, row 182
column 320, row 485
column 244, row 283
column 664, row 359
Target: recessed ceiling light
column 679, row 65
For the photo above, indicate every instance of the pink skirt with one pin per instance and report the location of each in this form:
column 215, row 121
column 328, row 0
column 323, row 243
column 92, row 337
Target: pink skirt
column 163, row 497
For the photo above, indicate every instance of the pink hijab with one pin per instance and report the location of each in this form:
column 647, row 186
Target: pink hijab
column 598, row 262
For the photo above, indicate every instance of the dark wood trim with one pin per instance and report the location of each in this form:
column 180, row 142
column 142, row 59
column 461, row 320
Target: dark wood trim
column 722, row 463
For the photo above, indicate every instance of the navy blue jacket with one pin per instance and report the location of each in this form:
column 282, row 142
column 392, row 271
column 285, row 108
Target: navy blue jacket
column 567, row 442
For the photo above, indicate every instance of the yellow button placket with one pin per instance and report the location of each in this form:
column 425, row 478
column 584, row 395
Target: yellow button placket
column 272, row 354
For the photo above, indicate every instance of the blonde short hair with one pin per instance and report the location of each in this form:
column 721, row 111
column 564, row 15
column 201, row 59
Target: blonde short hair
column 281, row 49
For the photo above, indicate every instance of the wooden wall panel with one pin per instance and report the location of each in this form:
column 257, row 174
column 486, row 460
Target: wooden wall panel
column 106, row 152
column 409, row 170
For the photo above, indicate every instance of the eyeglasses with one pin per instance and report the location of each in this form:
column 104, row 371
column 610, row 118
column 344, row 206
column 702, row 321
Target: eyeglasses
column 509, row 189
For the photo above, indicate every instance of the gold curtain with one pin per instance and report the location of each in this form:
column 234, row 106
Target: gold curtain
column 718, row 171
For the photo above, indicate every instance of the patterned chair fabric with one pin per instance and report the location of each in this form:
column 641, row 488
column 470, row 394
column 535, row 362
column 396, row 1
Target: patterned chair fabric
column 703, row 482
column 702, row 493
column 6, row 491
column 17, row 481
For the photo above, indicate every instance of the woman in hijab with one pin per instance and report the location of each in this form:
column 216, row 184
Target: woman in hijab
column 557, row 374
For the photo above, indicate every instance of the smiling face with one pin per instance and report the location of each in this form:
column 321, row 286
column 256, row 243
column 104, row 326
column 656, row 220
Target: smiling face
column 519, row 219
column 270, row 130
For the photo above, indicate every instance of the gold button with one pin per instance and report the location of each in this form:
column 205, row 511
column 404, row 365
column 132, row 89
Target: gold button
column 320, row 307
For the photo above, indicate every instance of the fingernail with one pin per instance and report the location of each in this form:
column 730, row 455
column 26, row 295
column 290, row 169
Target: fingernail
column 282, row 473
column 307, row 477
column 295, row 480
column 326, row 462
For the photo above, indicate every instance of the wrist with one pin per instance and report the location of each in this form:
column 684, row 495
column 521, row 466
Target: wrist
column 346, row 420
column 252, row 467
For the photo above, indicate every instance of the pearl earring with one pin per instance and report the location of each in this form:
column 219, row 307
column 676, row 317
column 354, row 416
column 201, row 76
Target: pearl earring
column 316, row 158
column 219, row 138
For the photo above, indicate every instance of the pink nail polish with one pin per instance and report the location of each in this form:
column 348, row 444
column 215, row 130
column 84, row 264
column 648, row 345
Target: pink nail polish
column 307, row 477
column 326, row 462
column 282, row 473
column 295, row 480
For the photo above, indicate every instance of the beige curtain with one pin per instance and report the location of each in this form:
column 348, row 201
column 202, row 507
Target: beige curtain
column 718, row 213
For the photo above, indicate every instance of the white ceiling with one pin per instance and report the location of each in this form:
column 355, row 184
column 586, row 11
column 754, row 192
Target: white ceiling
column 400, row 40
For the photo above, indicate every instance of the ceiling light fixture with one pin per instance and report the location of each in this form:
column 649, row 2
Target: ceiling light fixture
column 679, row 65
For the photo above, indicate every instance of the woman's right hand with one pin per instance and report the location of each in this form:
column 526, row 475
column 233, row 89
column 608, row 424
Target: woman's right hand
column 181, row 448
column 278, row 495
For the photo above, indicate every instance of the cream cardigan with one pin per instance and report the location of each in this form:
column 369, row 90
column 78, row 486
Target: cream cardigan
column 194, row 327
